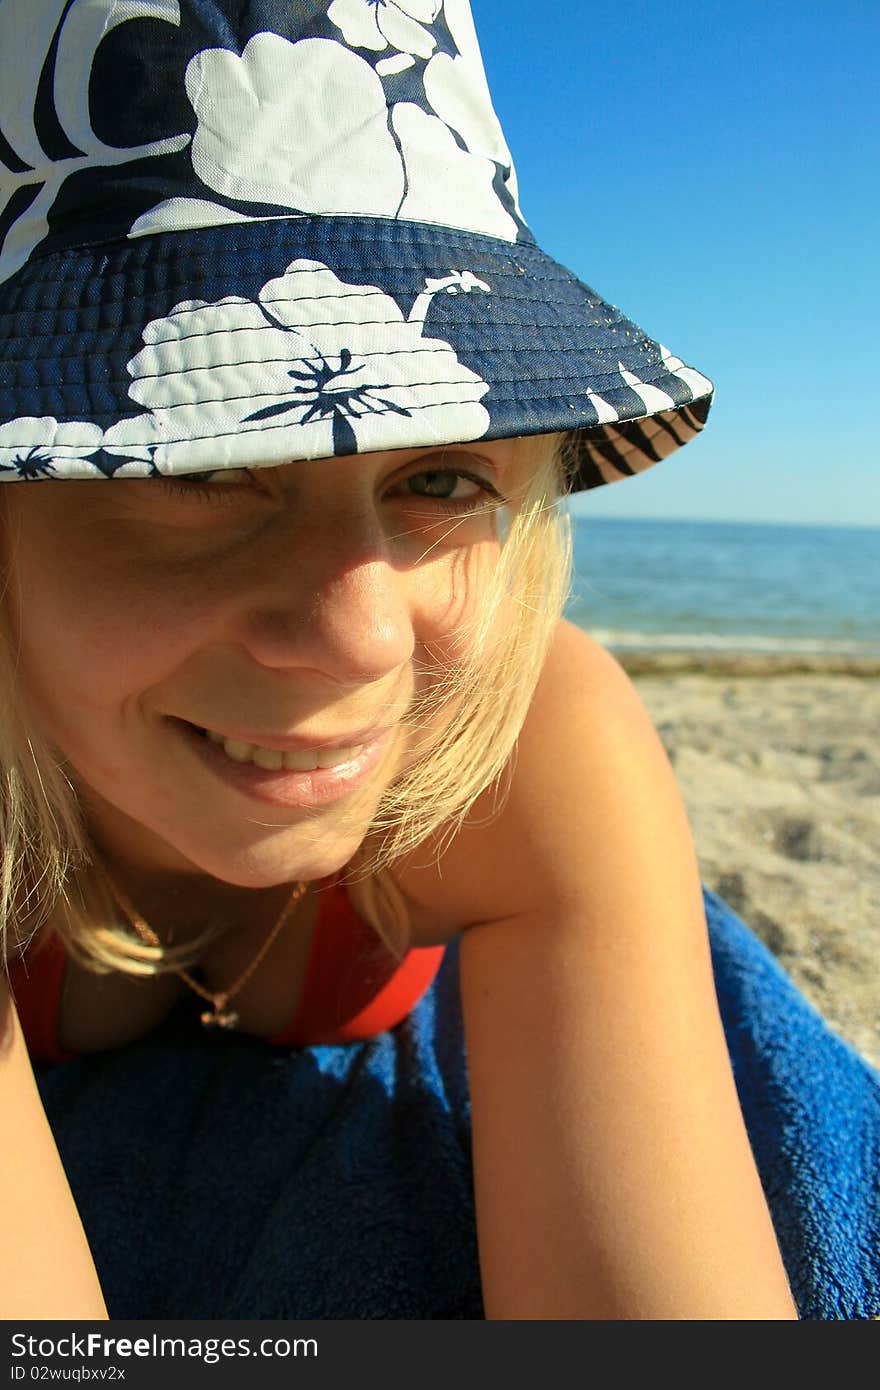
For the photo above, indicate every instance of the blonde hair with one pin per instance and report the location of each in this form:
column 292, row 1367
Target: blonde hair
column 483, row 698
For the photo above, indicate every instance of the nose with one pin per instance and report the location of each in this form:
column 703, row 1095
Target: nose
column 332, row 603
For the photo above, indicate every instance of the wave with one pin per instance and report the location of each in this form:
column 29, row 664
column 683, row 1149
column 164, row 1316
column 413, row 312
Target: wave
column 733, row 644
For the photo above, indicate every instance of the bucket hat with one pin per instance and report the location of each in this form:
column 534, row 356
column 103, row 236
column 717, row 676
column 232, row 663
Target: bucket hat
column 236, row 233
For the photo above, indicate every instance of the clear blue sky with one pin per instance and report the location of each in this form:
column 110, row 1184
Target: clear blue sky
column 714, row 170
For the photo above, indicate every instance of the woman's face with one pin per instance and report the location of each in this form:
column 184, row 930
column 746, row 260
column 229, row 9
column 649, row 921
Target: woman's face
column 305, row 604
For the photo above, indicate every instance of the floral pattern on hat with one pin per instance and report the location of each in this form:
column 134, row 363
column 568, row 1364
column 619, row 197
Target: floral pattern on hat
column 33, row 167
column 353, row 134
column 457, row 91
column 337, row 362
column 243, row 148
column 466, row 191
column 362, row 139
column 51, row 446
column 353, row 154
column 381, row 24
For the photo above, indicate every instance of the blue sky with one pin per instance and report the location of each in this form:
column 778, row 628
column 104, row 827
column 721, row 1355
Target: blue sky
column 714, row 171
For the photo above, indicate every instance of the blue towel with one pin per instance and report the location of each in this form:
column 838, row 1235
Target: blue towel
column 219, row 1177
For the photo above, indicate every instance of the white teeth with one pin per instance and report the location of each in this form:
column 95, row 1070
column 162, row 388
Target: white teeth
column 273, row 759
column 305, row 760
column 332, row 757
column 239, row 752
column 270, row 758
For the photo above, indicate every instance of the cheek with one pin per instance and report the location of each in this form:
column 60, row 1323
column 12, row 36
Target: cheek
column 93, row 632
column 454, row 590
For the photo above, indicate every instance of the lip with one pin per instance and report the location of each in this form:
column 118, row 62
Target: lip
column 296, row 790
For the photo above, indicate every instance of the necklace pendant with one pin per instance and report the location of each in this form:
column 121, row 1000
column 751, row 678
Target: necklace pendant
column 220, row 1018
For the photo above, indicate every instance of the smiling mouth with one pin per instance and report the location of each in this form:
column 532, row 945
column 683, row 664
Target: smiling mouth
column 263, row 773
column 299, row 758
column 276, row 759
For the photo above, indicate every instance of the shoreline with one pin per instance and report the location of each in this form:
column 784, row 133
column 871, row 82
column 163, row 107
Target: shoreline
column 714, row 663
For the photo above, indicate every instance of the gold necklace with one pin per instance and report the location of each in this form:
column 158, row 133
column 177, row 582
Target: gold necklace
column 222, row 1016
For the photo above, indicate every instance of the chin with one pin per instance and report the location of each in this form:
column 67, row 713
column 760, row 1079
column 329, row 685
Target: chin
column 268, row 865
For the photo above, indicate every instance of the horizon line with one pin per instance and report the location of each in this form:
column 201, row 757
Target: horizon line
column 736, row 521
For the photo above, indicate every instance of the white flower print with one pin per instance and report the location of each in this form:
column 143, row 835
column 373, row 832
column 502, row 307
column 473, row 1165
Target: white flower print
column 459, row 93
column 337, row 363
column 343, row 158
column 460, row 23
column 227, row 355
column 445, row 184
column 381, row 24
column 136, row 446
column 54, row 450
column 398, row 62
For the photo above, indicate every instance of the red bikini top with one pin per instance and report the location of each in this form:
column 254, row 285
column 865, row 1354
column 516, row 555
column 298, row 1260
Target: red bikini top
column 353, row 989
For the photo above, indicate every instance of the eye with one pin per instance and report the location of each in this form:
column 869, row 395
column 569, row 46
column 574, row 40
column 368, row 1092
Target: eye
column 459, row 489
column 445, row 483
column 229, row 483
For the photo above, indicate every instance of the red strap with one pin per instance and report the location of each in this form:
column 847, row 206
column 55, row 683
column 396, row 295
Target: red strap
column 353, row 988
column 36, row 988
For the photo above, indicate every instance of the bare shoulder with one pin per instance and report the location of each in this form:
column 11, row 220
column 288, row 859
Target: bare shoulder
column 605, row 1113
column 592, row 804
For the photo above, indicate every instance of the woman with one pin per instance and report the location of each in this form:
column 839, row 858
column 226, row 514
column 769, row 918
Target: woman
column 296, row 686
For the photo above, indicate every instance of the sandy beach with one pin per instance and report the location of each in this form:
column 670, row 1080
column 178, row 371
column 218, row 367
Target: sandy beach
column 778, row 761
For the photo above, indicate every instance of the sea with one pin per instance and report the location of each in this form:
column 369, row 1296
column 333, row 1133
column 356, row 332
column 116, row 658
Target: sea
column 727, row 588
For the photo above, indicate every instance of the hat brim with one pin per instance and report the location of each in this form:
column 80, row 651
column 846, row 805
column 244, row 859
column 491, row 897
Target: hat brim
column 287, row 338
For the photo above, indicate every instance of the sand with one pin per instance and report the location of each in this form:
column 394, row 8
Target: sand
column 780, row 772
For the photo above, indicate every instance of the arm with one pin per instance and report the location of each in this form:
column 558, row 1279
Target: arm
column 47, row 1269
column 613, row 1172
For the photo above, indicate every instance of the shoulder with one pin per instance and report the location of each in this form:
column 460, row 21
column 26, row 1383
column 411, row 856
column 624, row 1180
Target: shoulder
column 597, row 1061
column 591, row 801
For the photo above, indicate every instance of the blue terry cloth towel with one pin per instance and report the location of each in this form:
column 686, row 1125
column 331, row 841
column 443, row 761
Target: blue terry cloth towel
column 220, row 1177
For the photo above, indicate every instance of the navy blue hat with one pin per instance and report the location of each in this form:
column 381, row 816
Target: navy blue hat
column 235, row 233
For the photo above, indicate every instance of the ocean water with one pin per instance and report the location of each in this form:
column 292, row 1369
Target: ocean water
column 727, row 587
